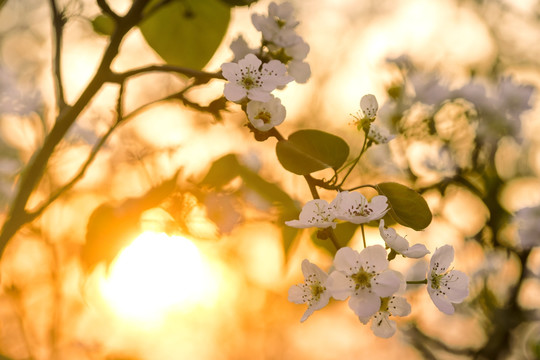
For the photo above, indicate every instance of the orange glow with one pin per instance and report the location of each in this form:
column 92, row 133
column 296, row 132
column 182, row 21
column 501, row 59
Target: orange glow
column 157, row 274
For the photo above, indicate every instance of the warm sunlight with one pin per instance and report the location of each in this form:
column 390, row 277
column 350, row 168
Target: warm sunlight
column 156, row 274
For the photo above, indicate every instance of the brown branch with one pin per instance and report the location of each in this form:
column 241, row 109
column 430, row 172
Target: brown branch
column 58, row 22
column 30, row 177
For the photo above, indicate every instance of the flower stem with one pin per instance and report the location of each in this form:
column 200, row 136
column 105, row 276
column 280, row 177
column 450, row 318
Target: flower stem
column 364, row 148
column 417, row 281
column 363, row 235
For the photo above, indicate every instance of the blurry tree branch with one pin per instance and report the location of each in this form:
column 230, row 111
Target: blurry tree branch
column 106, row 9
column 58, row 21
column 33, row 172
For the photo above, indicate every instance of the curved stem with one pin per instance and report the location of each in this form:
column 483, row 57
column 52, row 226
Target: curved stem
column 58, row 22
column 364, row 148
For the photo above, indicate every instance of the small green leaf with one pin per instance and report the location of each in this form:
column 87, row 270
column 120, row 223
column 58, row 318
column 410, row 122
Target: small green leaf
column 103, row 25
column 307, row 151
column 222, row 171
column 186, row 33
column 407, row 206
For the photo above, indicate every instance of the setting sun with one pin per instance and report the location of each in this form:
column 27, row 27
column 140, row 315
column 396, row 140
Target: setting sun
column 156, row 274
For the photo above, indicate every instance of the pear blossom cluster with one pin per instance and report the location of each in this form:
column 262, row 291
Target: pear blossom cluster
column 374, row 291
column 255, row 73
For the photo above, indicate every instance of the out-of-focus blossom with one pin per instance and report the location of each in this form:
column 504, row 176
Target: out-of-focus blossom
column 399, row 244
column 279, row 23
column 528, row 222
column 355, row 208
column 265, row 115
column 292, row 51
column 240, row 48
column 248, row 79
column 379, row 135
column 313, row 291
column 364, row 277
column 430, row 162
column 446, row 286
column 315, row 213
column 13, row 100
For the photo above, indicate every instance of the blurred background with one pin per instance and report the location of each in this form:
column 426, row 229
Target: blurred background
column 205, row 274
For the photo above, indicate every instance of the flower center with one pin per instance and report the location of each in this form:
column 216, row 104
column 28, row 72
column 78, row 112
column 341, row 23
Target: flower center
column 279, row 22
column 265, row 116
column 316, row 290
column 248, row 82
column 362, row 278
column 436, row 280
column 384, row 304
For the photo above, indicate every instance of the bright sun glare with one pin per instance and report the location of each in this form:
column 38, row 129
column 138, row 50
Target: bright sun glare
column 157, row 274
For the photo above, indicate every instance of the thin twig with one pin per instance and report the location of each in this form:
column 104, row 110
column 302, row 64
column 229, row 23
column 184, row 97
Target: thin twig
column 58, row 22
column 201, row 76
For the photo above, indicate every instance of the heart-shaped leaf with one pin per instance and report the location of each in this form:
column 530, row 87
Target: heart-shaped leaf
column 307, row 151
column 186, row 33
column 407, row 206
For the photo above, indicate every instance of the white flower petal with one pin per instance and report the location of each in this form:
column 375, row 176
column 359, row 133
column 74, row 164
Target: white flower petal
column 440, row 301
column 259, row 94
column 297, row 294
column 365, row 304
column 373, row 258
column 369, row 106
column 392, row 239
column 339, row 286
column 385, row 284
column 234, row 92
column 416, row 251
column 231, row 71
column 312, row 270
column 299, row 70
column 382, row 326
column 347, row 260
column 398, row 306
column 441, row 259
column 457, row 286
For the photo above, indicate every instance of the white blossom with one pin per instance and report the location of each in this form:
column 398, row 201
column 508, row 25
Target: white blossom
column 240, row 48
column 379, row 135
column 381, row 324
column 292, row 50
column 315, row 213
column 446, row 286
column 280, row 21
column 399, row 244
column 369, row 106
column 364, row 277
column 312, row 291
column 247, row 78
column 265, row 115
column 355, row 208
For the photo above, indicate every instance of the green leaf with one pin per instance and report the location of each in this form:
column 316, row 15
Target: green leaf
column 407, row 206
column 2, row 2
column 103, row 25
column 222, row 171
column 186, row 33
column 343, row 232
column 307, row 151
